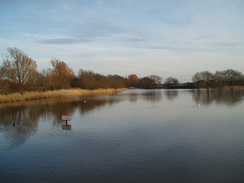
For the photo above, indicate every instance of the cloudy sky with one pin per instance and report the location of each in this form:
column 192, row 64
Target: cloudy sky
column 173, row 38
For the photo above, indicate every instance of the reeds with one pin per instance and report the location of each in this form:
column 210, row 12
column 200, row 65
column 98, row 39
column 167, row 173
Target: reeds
column 14, row 97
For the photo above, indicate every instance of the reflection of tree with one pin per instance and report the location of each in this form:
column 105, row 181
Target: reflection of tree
column 94, row 103
column 152, row 96
column 21, row 114
column 219, row 96
column 27, row 114
column 18, row 135
column 171, row 94
column 133, row 97
column 60, row 108
column 148, row 95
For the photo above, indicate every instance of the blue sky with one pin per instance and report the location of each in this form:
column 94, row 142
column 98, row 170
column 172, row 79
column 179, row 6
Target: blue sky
column 173, row 38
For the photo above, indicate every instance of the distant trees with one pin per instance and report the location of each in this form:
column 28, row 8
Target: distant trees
column 60, row 74
column 132, row 80
column 227, row 77
column 145, row 82
column 18, row 73
column 156, row 80
column 151, row 81
column 88, row 79
column 171, row 80
column 204, row 78
column 116, row 81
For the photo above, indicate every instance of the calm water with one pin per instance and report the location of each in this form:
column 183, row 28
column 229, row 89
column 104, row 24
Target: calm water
column 130, row 136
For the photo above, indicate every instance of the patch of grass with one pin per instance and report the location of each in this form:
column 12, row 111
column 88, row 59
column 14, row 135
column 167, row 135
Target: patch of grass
column 14, row 97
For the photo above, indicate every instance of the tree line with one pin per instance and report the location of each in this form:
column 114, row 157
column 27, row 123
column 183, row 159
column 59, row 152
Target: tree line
column 229, row 77
column 19, row 73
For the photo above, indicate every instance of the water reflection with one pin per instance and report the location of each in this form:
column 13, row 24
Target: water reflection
column 131, row 136
column 228, row 97
column 148, row 95
column 22, row 115
column 66, row 127
column 171, row 94
column 153, row 96
column 27, row 114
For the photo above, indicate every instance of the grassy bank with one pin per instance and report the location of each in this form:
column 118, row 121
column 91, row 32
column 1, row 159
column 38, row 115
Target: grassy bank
column 15, row 97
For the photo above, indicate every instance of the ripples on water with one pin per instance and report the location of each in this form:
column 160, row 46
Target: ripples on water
column 131, row 136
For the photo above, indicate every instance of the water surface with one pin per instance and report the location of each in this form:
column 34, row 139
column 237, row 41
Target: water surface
column 129, row 136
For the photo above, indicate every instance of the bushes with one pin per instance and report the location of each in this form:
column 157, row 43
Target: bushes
column 7, row 87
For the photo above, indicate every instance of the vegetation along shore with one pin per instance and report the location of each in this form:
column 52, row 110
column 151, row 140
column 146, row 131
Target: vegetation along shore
column 21, row 80
column 14, row 97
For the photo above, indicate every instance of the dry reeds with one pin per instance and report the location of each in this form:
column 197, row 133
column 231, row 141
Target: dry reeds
column 14, row 97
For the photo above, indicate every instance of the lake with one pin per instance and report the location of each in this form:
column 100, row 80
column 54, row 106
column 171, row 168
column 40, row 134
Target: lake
column 130, row 136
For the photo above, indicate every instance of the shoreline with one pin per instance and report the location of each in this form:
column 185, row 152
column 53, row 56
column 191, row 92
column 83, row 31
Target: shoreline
column 26, row 96
column 182, row 86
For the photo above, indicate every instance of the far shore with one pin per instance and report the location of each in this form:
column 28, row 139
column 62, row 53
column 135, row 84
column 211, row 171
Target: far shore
column 192, row 86
column 25, row 96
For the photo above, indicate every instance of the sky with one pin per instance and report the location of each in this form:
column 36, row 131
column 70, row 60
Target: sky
column 175, row 38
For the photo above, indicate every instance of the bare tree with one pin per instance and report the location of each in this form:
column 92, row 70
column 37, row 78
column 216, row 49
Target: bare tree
column 171, row 80
column 2, row 73
column 229, row 77
column 204, row 78
column 18, row 67
column 156, row 80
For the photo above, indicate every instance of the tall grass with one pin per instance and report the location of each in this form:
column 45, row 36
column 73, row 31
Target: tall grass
column 14, row 97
